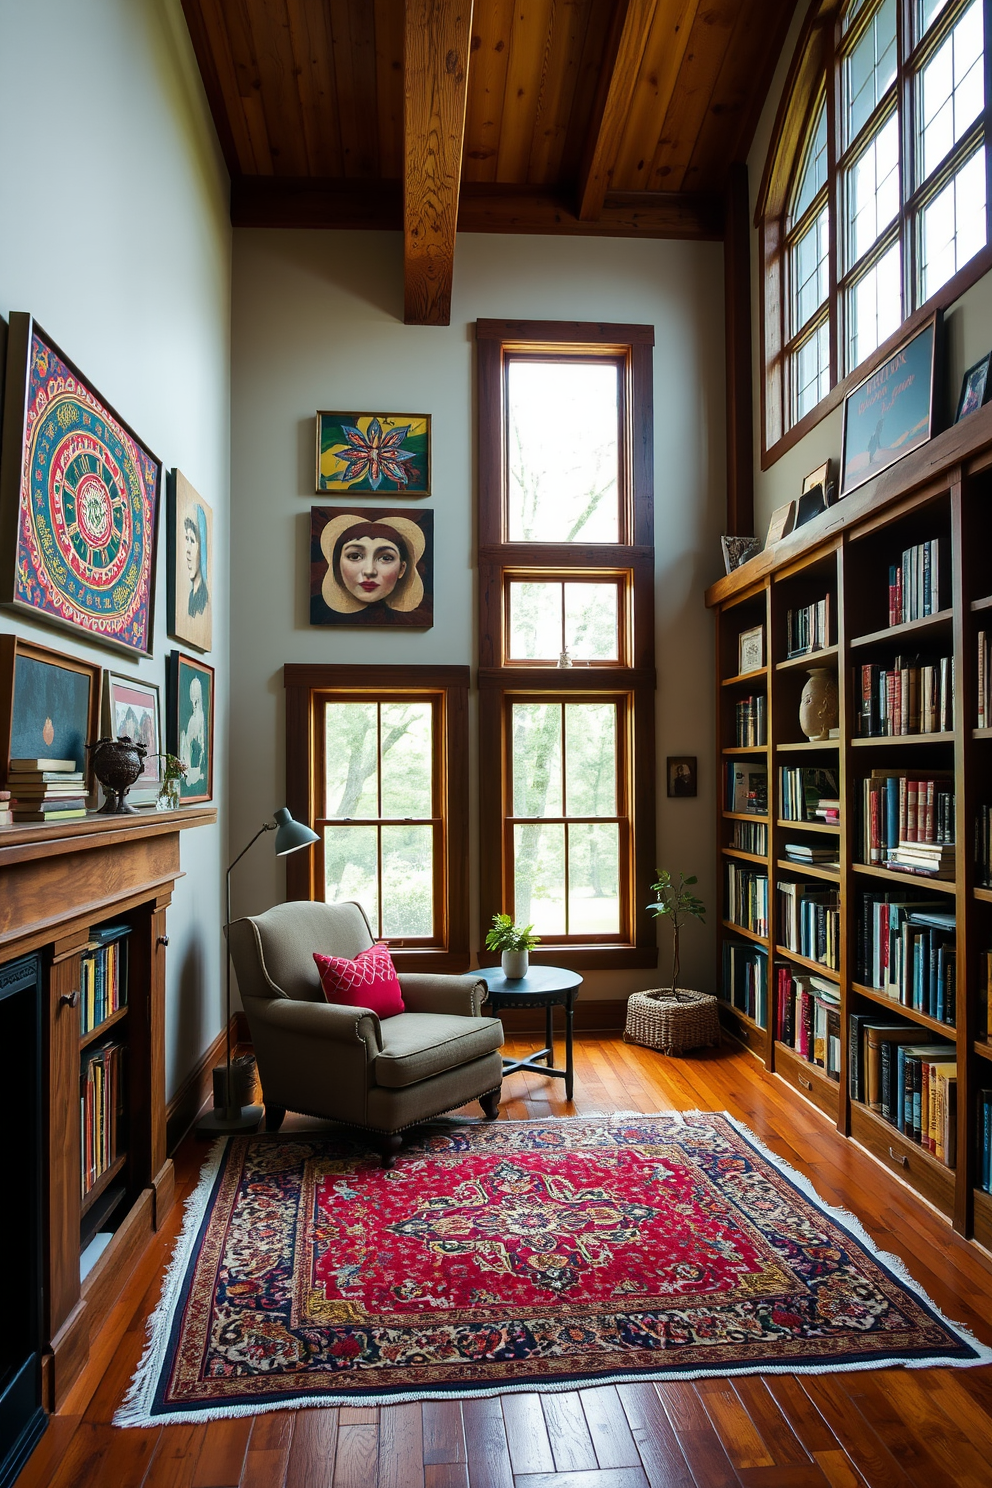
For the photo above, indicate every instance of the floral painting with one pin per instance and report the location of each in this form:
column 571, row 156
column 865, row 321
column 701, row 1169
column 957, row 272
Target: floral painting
column 371, row 567
column 388, row 454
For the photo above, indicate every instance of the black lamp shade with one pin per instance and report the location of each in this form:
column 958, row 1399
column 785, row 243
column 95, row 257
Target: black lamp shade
column 291, row 835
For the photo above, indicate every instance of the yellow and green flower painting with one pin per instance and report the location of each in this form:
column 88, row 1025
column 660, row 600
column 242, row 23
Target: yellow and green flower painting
column 385, row 453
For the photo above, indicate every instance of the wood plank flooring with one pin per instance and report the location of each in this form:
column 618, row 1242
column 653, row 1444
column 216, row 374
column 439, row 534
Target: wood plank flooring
column 885, row 1428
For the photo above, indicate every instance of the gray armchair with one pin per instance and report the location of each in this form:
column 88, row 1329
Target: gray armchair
column 342, row 1063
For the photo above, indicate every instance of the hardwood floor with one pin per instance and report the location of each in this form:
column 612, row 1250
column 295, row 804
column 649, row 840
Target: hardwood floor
column 885, row 1428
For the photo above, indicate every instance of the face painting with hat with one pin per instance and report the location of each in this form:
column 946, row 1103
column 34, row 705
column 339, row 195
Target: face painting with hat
column 372, row 562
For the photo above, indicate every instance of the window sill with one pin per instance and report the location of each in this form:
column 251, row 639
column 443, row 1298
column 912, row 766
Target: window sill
column 595, row 957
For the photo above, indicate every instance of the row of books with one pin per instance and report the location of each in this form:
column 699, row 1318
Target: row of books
column 813, row 855
column 103, row 975
column 750, row 721
column 746, row 902
column 745, row 980
column 46, row 790
column 906, row 949
column 985, row 996
column 807, row 1017
column 808, row 794
column 808, row 628
column 746, row 788
column 914, row 583
column 101, row 1103
column 984, row 681
column 910, row 1084
column 751, row 837
column 900, row 810
column 809, row 921
column 983, row 846
column 905, row 699
column 985, row 1140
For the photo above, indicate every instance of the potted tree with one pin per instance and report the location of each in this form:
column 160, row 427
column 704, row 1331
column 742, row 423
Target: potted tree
column 514, row 943
column 672, row 1018
column 675, row 901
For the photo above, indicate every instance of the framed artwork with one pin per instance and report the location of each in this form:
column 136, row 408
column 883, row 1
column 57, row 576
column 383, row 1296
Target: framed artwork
column 133, row 707
column 751, row 650
column 190, row 564
column 79, row 495
column 974, row 388
column 49, row 705
column 891, row 411
column 371, row 568
column 190, row 717
column 780, row 523
column 385, row 454
column 682, row 775
column 737, row 550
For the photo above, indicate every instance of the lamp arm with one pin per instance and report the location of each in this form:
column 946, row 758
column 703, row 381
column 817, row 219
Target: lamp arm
column 265, row 827
column 269, row 826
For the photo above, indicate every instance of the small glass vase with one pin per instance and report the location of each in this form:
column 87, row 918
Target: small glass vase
column 168, row 796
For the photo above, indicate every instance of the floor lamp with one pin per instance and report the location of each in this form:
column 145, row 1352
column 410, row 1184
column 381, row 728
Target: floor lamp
column 291, row 835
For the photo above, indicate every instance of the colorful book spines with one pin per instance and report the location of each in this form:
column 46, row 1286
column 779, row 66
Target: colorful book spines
column 745, row 980
column 103, row 974
column 101, row 1101
column 905, row 699
column 914, row 583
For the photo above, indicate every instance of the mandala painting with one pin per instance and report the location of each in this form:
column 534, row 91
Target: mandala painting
column 79, row 498
column 377, row 454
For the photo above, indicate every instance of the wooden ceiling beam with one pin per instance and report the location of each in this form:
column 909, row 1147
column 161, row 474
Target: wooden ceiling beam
column 435, row 68
column 617, row 86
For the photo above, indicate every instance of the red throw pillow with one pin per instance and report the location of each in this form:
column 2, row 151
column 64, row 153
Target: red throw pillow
column 369, row 981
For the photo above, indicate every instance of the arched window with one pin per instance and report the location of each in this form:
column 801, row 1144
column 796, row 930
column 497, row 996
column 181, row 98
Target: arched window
column 874, row 202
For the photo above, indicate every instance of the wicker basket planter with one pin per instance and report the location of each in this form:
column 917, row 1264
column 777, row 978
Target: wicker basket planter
column 672, row 1021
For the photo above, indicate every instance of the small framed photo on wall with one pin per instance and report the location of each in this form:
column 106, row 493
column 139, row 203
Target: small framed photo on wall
column 132, row 707
column 191, row 725
column 682, row 775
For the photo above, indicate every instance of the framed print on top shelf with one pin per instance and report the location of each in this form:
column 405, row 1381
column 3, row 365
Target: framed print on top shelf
column 190, row 724
column 974, row 388
column 751, row 650
column 190, row 564
column 79, row 496
column 374, row 454
column 371, row 568
column 49, row 706
column 133, row 707
column 780, row 523
column 892, row 411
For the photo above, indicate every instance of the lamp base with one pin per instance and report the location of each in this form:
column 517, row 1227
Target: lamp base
column 229, row 1122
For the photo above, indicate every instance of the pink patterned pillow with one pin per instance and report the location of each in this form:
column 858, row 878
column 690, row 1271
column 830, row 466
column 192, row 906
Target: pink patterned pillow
column 369, row 981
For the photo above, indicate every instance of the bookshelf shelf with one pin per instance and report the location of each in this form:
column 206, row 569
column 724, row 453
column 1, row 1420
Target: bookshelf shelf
column 985, row 603
column 103, row 1183
column 738, row 852
column 891, row 875
column 814, row 870
column 810, row 658
column 947, row 1030
column 746, row 678
column 816, row 967
column 983, row 1218
column 97, row 1033
column 808, row 826
column 761, row 940
column 754, row 749
column 807, row 746
column 947, row 737
column 981, row 733
column 911, row 628
column 983, row 1048
column 744, row 816
column 984, row 895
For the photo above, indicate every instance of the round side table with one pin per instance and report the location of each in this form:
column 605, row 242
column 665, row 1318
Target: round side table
column 543, row 986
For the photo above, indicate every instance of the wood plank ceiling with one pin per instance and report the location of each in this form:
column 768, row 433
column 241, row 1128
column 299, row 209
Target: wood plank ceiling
column 606, row 117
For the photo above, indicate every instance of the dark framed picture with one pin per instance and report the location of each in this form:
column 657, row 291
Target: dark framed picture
column 133, row 707
column 891, row 411
column 682, row 775
column 974, row 388
column 191, row 725
column 79, row 495
column 374, row 454
column 371, row 568
column 49, row 707
column 190, row 564
column 737, row 550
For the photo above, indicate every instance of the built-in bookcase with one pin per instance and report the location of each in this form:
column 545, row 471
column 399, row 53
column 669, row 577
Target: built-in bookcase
column 892, row 587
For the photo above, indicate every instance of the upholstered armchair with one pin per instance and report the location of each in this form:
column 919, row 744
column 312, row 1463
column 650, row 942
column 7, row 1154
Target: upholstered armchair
column 343, row 1063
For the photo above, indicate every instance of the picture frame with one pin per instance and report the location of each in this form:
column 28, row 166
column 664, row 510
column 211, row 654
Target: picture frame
column 892, row 411
column 682, row 775
column 133, row 706
column 974, row 388
column 398, row 586
column 822, row 476
column 49, row 705
column 751, row 650
column 737, row 550
column 190, row 718
column 373, row 454
column 79, row 498
column 780, row 523
column 189, row 567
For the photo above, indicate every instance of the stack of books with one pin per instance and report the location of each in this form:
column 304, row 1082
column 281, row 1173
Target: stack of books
column 911, row 1085
column 914, row 583
column 101, row 1103
column 809, row 922
column 900, row 809
column 808, row 794
column 746, row 788
column 751, row 837
column 820, row 857
column 808, row 629
column 931, row 859
column 747, row 898
column 750, row 728
column 907, row 699
column 807, row 1017
column 46, row 790
column 906, row 949
column 6, row 815
column 745, row 980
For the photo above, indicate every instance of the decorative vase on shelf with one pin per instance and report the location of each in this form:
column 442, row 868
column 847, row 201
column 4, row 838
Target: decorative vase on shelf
column 515, row 964
column 117, row 763
column 168, row 796
column 818, row 707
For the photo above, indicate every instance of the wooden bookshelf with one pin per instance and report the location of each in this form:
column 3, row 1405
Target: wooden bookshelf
column 846, row 554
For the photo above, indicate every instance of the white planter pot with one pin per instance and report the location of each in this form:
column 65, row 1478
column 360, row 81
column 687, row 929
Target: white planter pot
column 515, row 964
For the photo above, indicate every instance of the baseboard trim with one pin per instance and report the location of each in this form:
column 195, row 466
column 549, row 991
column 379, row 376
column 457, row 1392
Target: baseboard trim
column 184, row 1107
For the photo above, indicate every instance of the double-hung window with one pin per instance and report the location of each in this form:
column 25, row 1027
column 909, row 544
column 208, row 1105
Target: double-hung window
column 566, row 671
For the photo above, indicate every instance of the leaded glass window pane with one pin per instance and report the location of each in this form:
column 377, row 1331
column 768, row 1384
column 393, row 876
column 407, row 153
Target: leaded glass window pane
column 874, row 307
column 952, row 226
column 872, row 189
column 809, row 270
column 869, row 69
column 951, row 90
column 814, row 171
column 811, row 371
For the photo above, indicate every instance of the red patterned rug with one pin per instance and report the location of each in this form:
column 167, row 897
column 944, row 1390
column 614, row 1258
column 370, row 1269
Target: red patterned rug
column 521, row 1255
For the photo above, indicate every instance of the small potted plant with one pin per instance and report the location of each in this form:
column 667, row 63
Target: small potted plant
column 514, row 943
column 668, row 1018
column 675, row 901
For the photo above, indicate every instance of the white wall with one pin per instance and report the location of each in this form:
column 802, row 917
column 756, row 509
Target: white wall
column 317, row 323
column 115, row 235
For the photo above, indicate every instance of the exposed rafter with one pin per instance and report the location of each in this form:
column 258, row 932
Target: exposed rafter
column 435, row 68
column 631, row 28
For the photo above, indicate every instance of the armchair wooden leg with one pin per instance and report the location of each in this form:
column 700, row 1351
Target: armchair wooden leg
column 274, row 1117
column 390, row 1147
column 490, row 1105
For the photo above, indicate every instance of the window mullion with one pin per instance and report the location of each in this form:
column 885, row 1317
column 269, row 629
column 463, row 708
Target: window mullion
column 834, row 112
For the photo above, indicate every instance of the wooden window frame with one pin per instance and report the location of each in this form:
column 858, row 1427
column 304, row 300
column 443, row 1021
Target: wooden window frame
column 308, row 687
column 620, row 579
column 817, row 62
column 630, row 563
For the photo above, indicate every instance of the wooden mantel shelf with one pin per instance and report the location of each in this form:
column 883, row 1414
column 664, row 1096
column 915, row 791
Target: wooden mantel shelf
column 95, row 830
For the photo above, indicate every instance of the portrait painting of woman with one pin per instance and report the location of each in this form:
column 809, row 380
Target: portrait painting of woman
column 191, row 725
column 190, row 558
column 371, row 568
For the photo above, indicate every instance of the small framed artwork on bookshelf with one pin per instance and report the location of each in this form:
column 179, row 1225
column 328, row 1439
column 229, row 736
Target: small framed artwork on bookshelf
column 891, row 411
column 751, row 650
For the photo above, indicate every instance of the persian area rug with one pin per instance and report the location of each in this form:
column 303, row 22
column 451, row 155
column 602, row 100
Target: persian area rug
column 516, row 1256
